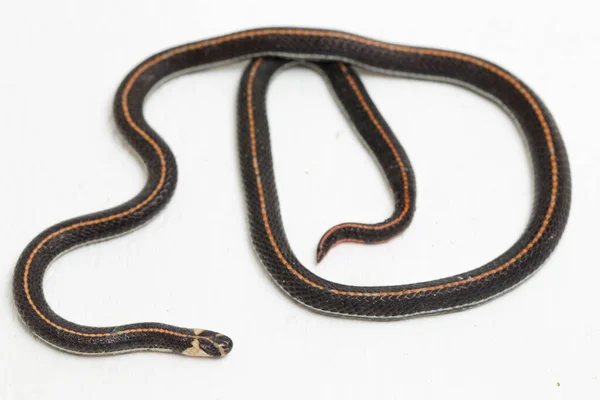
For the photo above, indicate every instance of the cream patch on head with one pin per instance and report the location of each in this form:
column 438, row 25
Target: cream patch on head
column 198, row 331
column 195, row 350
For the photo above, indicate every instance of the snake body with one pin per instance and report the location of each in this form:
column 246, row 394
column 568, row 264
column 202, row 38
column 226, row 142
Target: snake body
column 334, row 53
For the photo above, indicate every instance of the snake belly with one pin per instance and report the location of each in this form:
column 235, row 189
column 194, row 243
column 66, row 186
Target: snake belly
column 334, row 53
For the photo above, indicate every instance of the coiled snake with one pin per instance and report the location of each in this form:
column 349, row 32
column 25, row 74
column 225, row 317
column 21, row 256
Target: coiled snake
column 334, row 53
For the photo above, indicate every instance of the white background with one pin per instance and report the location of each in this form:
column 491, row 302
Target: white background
column 194, row 266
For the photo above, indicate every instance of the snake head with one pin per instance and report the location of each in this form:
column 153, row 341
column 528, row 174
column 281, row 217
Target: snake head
column 208, row 344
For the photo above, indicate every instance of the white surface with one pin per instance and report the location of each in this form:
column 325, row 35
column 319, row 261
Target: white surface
column 194, row 266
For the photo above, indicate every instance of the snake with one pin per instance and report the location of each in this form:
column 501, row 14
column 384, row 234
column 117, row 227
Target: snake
column 337, row 55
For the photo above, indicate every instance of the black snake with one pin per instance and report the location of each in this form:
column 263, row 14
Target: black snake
column 334, row 53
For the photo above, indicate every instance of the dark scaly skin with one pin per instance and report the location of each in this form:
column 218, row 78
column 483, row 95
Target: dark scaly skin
column 376, row 135
column 397, row 302
column 388, row 152
column 549, row 214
